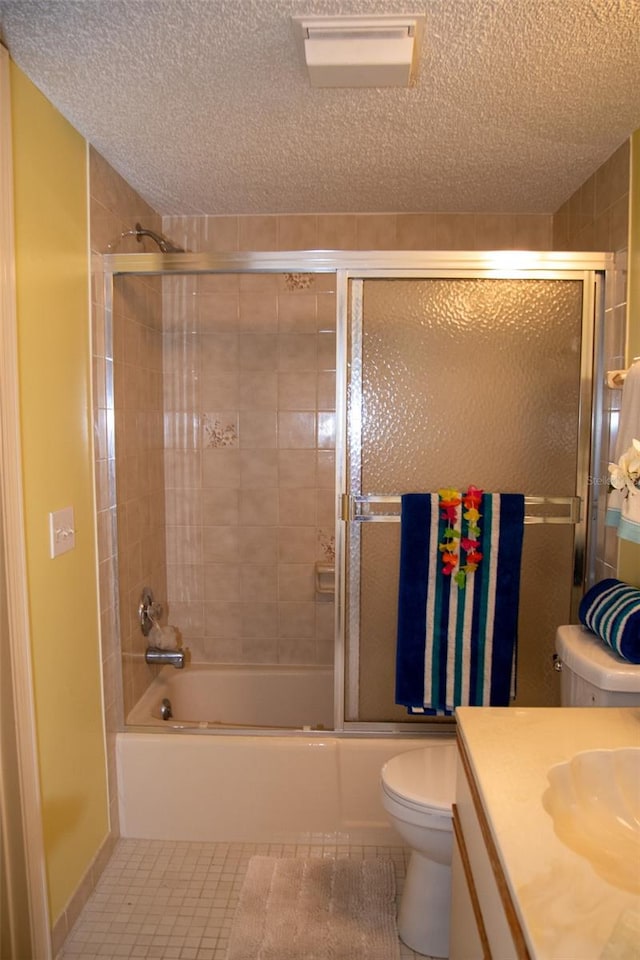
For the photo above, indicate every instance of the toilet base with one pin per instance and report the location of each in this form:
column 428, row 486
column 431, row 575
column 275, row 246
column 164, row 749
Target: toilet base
column 423, row 918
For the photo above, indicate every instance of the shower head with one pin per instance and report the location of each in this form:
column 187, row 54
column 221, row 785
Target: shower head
column 166, row 246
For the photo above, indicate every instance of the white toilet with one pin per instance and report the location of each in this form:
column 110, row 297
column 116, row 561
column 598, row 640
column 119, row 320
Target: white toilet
column 418, row 787
column 592, row 674
column 418, row 790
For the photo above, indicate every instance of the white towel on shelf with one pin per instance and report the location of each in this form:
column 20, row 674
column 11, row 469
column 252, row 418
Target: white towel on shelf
column 628, row 431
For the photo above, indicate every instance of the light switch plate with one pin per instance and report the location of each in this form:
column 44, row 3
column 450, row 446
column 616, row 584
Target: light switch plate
column 62, row 534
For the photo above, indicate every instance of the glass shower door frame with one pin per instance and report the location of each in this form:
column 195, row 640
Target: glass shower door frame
column 352, row 265
column 350, row 287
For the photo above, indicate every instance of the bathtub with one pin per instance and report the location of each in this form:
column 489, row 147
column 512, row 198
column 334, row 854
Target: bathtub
column 192, row 779
column 204, row 696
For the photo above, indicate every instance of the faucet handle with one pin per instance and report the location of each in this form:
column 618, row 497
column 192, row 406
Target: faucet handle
column 149, row 611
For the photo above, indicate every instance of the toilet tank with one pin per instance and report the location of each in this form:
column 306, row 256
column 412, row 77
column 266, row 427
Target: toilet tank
column 592, row 674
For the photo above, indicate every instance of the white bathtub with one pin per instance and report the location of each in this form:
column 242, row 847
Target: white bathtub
column 193, row 781
column 296, row 789
column 203, row 696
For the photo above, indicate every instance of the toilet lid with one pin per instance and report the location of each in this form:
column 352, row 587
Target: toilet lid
column 426, row 777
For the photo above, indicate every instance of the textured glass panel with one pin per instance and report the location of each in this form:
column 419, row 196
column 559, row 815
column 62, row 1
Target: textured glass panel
column 468, row 381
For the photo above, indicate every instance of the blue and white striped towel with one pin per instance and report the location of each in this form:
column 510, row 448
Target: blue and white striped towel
column 611, row 609
column 457, row 645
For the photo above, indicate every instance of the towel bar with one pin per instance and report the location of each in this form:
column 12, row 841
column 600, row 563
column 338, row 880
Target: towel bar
column 616, row 378
column 356, row 509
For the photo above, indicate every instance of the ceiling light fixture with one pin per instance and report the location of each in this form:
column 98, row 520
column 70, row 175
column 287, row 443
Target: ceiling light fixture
column 360, row 51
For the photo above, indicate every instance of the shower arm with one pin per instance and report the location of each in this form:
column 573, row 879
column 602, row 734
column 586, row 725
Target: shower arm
column 165, row 245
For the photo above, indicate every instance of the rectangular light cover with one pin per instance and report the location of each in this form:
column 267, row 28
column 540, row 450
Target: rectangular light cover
column 359, row 51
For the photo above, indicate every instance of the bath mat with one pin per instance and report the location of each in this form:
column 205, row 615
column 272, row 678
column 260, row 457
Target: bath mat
column 316, row 909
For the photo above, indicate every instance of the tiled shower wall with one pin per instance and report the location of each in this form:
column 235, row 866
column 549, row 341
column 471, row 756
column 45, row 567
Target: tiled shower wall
column 126, row 355
column 249, row 373
column 139, row 431
column 596, row 217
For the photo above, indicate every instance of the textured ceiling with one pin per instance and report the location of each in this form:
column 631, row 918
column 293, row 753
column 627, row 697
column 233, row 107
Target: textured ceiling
column 204, row 105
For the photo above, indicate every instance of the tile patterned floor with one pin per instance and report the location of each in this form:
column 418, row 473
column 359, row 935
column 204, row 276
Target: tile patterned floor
column 176, row 901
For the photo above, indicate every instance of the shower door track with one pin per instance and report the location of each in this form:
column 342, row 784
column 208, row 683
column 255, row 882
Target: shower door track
column 356, row 265
column 505, row 264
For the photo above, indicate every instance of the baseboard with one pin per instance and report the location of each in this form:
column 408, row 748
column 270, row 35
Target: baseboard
column 63, row 925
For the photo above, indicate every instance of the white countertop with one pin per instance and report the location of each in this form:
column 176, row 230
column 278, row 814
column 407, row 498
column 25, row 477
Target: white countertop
column 566, row 911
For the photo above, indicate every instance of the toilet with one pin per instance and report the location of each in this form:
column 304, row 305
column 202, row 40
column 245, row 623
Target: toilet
column 418, row 787
column 418, row 790
column 591, row 673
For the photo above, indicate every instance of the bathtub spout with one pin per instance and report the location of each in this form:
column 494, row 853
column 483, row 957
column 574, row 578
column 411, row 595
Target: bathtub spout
column 156, row 655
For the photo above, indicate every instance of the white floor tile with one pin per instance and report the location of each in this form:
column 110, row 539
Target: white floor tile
column 176, row 901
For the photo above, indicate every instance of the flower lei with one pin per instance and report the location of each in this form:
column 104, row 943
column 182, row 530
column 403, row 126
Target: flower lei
column 450, row 500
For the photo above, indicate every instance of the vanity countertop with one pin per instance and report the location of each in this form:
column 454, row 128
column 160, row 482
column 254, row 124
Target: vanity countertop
column 566, row 910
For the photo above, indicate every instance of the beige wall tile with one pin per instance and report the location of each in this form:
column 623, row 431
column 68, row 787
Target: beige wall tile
column 258, row 469
column 416, row 231
column 258, row 389
column 260, row 650
column 218, row 313
column 220, row 545
column 297, row 352
column 296, row 430
column 258, row 351
column 220, row 234
column 297, row 508
column 185, row 582
column 297, row 468
column 337, row 232
column 297, row 391
column 219, row 506
column 257, row 544
column 297, row 232
column 326, row 312
column 455, row 231
column 258, row 429
column 494, row 231
column 258, row 233
column 221, row 468
column 222, row 619
column 532, row 232
column 296, row 544
column 376, row 231
column 258, row 313
column 222, row 582
column 259, row 506
column 296, row 582
column 298, row 650
column 219, row 392
column 296, row 619
column 259, row 621
column 259, row 582
column 297, row 312
column 326, row 438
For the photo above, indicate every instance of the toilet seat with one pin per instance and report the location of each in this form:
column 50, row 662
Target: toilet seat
column 423, row 780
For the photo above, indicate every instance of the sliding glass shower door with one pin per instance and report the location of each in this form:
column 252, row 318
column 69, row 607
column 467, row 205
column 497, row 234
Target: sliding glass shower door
column 451, row 381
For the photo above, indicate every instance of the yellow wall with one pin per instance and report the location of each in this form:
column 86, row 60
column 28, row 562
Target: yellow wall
column 55, row 390
column 629, row 556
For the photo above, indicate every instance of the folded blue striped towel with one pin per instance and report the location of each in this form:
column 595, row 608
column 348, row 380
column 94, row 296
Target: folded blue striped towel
column 611, row 610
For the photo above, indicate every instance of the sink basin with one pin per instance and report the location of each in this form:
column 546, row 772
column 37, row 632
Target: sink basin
column 594, row 801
